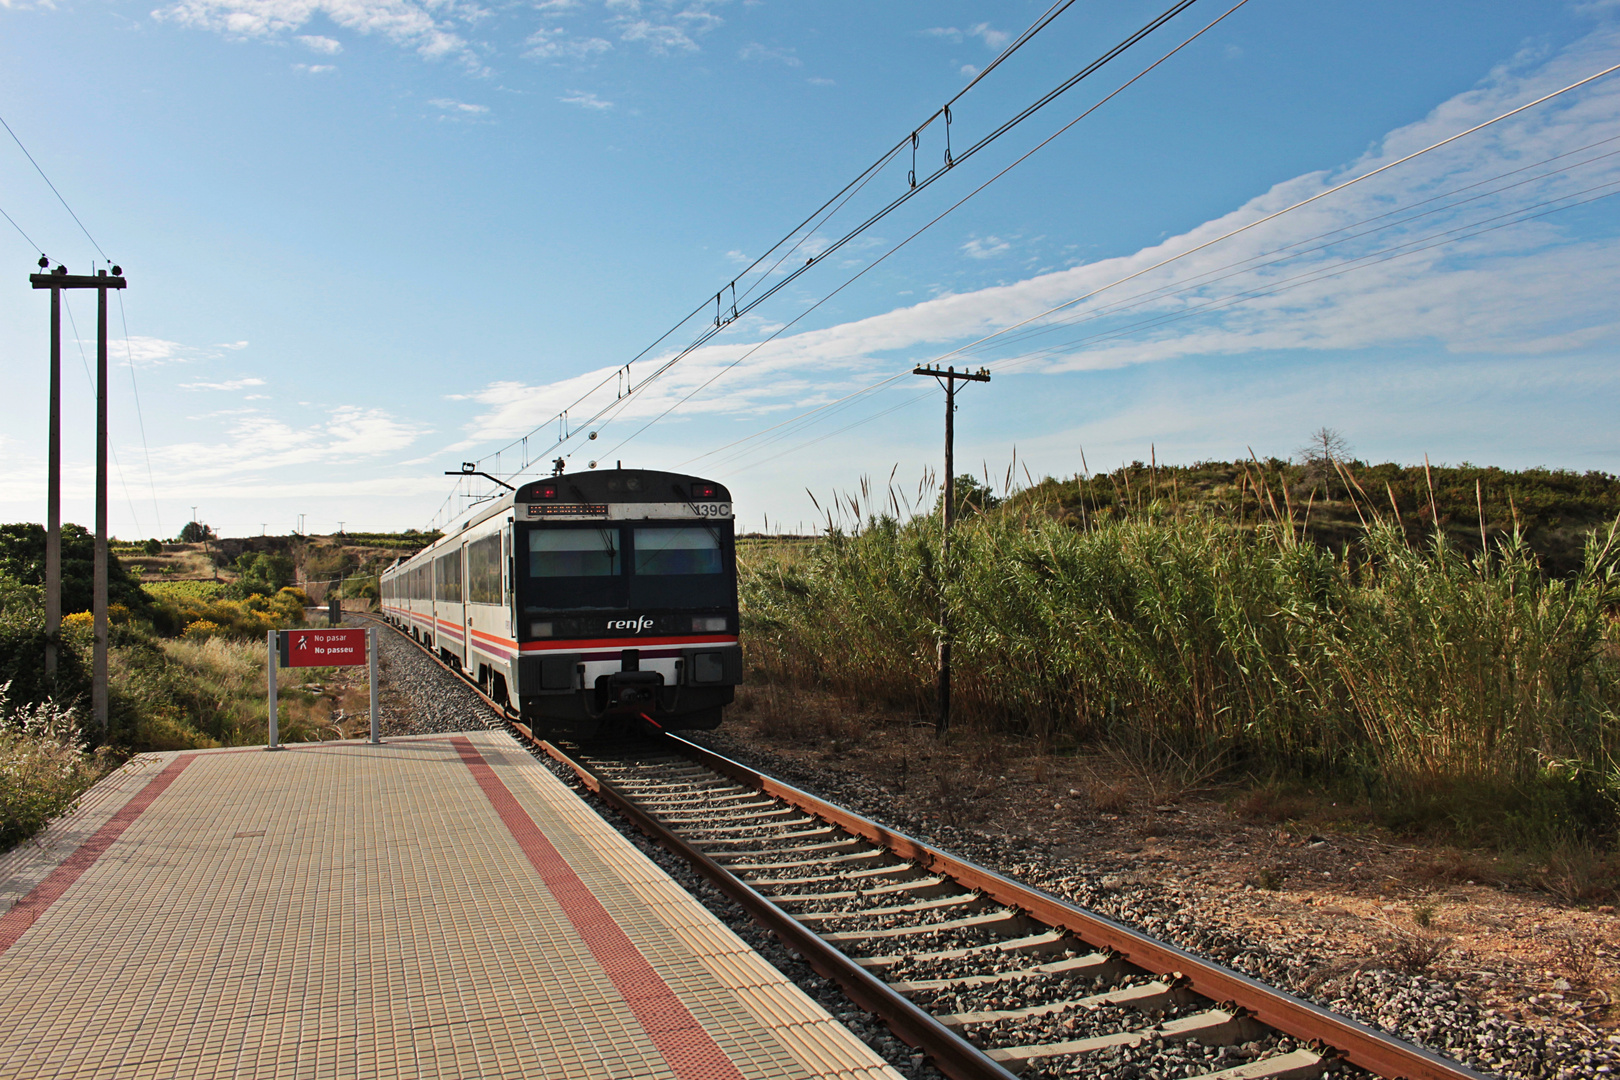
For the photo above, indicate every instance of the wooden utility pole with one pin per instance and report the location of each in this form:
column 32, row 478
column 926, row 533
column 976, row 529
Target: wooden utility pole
column 948, row 378
column 56, row 281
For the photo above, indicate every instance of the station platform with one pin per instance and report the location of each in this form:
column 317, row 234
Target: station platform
column 436, row 906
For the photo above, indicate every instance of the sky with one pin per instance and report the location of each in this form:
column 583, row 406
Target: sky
column 369, row 240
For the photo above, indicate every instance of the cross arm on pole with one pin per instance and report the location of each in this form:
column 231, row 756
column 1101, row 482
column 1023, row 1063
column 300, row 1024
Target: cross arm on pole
column 76, row 281
column 982, row 375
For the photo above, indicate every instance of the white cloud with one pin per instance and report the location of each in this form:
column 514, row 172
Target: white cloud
column 757, row 52
column 985, row 247
column 451, row 105
column 585, row 100
column 427, row 26
column 315, row 69
column 816, row 80
column 317, row 43
column 995, row 39
column 1532, row 289
column 231, row 384
column 255, row 442
column 556, row 44
column 152, row 352
column 659, row 38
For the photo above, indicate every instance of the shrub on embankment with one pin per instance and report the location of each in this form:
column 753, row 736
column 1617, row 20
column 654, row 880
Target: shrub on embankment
column 1435, row 684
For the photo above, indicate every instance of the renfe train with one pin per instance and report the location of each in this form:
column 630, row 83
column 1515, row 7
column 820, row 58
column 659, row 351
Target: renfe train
column 590, row 603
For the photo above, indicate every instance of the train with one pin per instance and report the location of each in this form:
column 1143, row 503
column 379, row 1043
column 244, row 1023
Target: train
column 591, row 604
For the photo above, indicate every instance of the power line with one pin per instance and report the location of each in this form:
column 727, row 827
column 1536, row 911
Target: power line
column 949, row 210
column 77, row 340
column 140, row 419
column 52, row 186
column 19, row 229
column 1311, row 277
column 844, row 402
column 739, row 308
column 1287, row 209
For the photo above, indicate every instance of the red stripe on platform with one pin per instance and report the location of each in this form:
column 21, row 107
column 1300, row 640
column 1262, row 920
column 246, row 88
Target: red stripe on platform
column 26, row 911
column 687, row 1048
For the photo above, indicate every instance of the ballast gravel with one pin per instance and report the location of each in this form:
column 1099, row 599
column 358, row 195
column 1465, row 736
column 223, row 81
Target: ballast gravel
column 1430, row 1012
column 437, row 702
column 1427, row 1011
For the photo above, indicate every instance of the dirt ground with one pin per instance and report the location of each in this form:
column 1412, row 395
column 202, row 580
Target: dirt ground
column 1264, row 866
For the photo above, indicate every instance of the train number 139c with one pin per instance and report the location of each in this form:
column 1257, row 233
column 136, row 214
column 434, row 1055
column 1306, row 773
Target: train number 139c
column 716, row 510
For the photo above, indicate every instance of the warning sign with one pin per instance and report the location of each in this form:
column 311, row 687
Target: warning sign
column 342, row 647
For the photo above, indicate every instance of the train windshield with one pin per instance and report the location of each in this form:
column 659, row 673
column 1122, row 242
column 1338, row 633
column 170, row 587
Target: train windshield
column 663, row 552
column 574, row 553
column 646, row 567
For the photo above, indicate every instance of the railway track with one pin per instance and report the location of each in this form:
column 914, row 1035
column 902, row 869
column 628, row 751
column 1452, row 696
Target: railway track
column 988, row 977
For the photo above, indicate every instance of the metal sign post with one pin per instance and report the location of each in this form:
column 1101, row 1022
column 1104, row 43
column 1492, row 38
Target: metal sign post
column 275, row 734
column 371, row 642
column 347, row 646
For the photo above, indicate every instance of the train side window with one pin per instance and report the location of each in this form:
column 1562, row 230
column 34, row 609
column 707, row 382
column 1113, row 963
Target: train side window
column 573, row 553
column 682, row 550
column 484, row 570
column 447, row 577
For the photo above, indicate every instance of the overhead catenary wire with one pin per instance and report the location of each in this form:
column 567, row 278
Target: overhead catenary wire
column 1129, row 277
column 831, row 205
column 1287, row 209
column 1285, row 254
column 1197, row 281
column 742, row 309
column 948, row 210
column 1287, row 285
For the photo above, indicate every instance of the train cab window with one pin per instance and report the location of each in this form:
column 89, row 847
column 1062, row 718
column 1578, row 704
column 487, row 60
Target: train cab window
column 574, row 553
column 678, row 551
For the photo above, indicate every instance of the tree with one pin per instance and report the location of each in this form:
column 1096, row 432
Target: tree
column 153, row 547
column 972, row 496
column 195, row 532
column 263, row 573
column 22, row 557
column 1325, row 446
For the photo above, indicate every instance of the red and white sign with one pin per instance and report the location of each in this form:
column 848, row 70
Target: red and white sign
column 343, row 647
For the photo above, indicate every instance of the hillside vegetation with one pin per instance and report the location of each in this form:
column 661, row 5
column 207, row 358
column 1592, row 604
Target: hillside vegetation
column 1224, row 621
column 188, row 623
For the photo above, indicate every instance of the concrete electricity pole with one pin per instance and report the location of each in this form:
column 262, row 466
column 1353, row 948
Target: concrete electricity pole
column 56, row 281
column 948, row 379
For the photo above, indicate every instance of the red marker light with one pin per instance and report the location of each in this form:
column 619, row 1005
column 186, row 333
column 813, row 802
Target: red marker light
column 546, row 491
column 705, row 491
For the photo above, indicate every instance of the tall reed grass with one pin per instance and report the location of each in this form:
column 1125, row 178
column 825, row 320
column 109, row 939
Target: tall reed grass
column 1418, row 674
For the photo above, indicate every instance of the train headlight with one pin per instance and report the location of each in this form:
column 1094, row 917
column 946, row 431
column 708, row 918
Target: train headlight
column 709, row 624
column 708, row 667
column 540, row 629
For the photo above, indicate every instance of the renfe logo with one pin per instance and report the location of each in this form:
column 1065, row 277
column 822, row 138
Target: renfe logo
column 638, row 624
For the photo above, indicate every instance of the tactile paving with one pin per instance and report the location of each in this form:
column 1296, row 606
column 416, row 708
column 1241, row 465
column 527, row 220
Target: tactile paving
column 432, row 907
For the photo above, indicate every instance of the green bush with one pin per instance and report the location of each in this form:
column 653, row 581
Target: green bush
column 42, row 767
column 1411, row 673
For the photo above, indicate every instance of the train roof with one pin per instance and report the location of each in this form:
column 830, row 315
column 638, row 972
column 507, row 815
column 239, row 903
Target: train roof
column 597, row 486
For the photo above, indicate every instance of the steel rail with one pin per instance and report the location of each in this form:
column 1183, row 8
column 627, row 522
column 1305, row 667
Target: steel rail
column 1360, row 1045
column 1347, row 1040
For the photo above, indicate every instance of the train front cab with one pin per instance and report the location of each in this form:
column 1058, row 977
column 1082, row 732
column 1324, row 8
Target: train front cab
column 626, row 613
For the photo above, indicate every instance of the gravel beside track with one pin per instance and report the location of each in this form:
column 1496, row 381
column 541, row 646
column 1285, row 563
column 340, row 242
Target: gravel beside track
column 1427, row 1011
column 1424, row 1010
column 432, row 701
